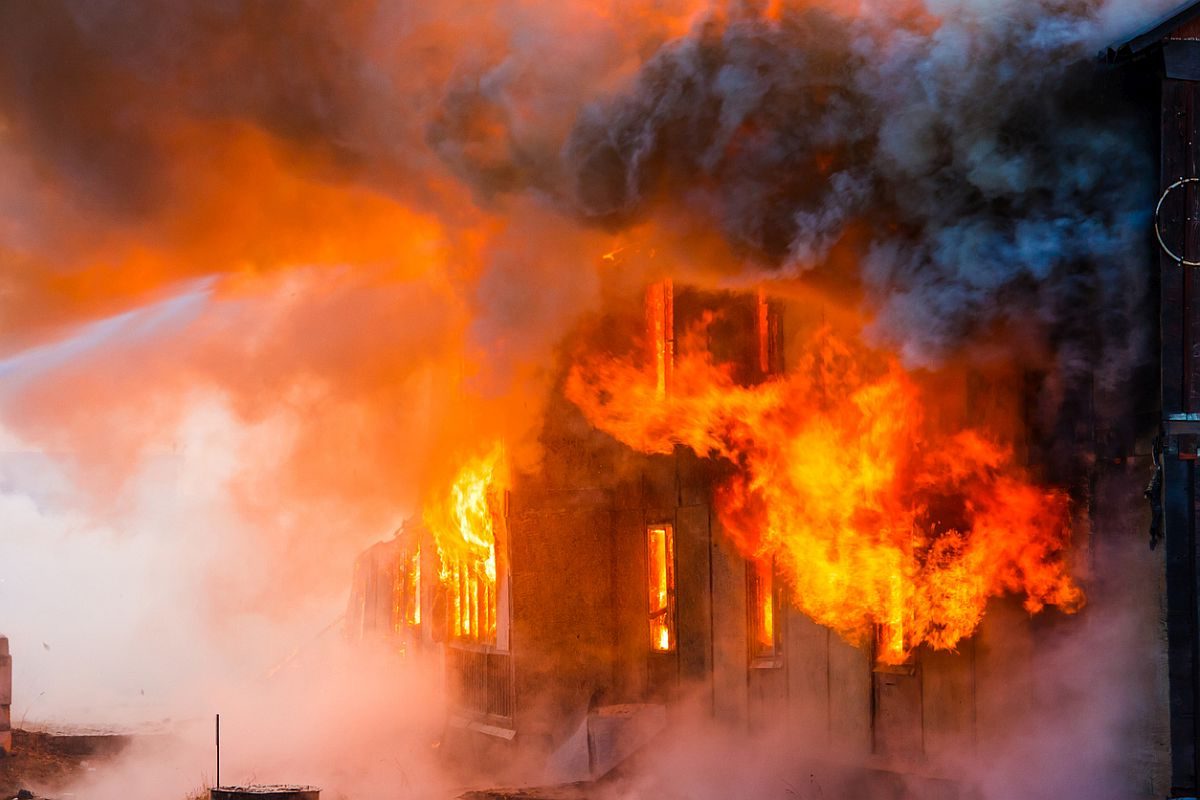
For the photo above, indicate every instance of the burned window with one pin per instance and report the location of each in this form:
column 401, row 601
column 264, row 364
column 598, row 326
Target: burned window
column 405, row 574
column 660, row 332
column 763, row 607
column 400, row 582
column 477, row 584
column 891, row 647
column 660, row 562
column 739, row 331
column 768, row 332
column 412, row 595
column 472, row 602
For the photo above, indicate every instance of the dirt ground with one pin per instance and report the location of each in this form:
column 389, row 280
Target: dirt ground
column 42, row 764
column 576, row 791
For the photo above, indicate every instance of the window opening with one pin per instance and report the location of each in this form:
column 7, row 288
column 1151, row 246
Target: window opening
column 660, row 546
column 764, row 623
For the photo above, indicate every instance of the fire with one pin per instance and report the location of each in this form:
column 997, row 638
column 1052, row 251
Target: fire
column 661, row 570
column 464, row 527
column 880, row 523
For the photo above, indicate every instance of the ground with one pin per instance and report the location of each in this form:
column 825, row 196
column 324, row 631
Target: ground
column 43, row 763
column 575, row 791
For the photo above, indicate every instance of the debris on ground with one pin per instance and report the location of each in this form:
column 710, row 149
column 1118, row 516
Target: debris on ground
column 42, row 764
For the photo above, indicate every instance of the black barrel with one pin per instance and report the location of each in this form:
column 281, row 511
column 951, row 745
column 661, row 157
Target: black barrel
column 264, row 793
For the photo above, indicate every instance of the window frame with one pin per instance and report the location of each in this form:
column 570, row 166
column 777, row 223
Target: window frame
column 761, row 657
column 660, row 333
column 664, row 617
column 907, row 667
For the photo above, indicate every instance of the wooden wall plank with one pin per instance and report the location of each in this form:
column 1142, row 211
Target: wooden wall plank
column 730, row 690
column 849, row 698
column 897, row 725
column 694, row 597
column 632, row 630
column 806, row 649
column 563, row 628
column 1004, row 689
column 948, row 702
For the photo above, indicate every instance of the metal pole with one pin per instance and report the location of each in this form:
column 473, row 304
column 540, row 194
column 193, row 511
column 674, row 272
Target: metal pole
column 218, row 751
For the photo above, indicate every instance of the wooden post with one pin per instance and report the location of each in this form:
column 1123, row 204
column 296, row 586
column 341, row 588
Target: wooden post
column 1180, row 329
column 5, row 698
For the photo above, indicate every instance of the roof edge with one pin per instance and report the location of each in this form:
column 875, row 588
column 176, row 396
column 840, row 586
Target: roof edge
column 1152, row 36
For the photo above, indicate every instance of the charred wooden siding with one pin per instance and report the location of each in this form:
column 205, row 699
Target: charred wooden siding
column 1180, row 327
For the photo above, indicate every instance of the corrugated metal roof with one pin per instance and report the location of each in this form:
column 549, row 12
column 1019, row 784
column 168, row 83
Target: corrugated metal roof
column 1151, row 37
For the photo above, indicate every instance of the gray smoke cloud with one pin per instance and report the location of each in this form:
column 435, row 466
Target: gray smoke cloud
column 989, row 165
column 1001, row 181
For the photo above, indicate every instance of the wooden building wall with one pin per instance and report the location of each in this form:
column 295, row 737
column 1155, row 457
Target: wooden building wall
column 580, row 636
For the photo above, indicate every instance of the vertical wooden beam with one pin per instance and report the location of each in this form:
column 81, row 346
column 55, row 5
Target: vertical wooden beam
column 1180, row 331
column 731, row 700
column 694, row 596
column 5, row 699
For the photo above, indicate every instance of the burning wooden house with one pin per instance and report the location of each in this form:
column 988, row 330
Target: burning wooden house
column 742, row 512
column 574, row 608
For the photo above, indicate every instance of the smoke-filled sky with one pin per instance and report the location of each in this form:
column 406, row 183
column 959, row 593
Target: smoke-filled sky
column 269, row 271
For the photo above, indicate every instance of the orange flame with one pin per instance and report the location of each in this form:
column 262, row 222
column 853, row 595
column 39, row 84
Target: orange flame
column 661, row 570
column 463, row 524
column 879, row 523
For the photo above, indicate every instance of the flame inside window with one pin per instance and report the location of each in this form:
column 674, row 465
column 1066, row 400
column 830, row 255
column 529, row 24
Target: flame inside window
column 660, row 548
column 891, row 646
column 466, row 527
column 471, row 593
column 406, row 590
column 763, row 628
column 413, row 597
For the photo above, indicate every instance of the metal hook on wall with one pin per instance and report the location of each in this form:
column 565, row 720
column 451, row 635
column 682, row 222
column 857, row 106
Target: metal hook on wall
column 1158, row 229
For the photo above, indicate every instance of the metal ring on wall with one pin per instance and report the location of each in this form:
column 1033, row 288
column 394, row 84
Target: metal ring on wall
column 1158, row 231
